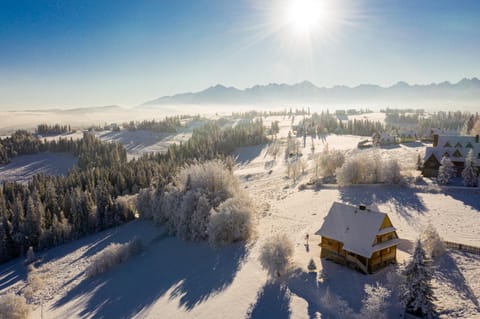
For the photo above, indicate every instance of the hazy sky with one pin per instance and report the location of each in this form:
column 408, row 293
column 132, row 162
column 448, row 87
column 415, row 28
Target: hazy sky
column 89, row 53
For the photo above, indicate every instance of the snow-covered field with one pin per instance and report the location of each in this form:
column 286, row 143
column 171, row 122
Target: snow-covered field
column 177, row 279
column 138, row 143
column 22, row 168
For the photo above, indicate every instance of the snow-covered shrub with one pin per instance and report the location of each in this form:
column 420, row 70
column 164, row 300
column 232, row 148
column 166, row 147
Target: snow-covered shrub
column 469, row 173
column 446, row 171
column 375, row 304
column 204, row 200
column 432, row 243
column 231, row 223
column 113, row 255
column 34, row 284
column 13, row 307
column 276, row 255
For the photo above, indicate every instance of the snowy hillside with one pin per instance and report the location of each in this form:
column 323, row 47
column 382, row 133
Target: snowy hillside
column 172, row 278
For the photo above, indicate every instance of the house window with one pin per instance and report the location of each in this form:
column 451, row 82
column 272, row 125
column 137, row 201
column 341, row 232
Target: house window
column 458, row 145
column 390, row 237
column 457, row 154
column 469, row 145
column 447, row 145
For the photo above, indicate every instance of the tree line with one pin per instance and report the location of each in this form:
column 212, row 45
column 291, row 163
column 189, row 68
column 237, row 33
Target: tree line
column 326, row 122
column 46, row 129
column 167, row 125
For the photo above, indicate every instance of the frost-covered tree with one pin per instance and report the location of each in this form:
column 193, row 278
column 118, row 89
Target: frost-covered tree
column 13, row 307
column 432, row 243
column 375, row 303
column 416, row 292
column 273, row 149
column 276, row 255
column 368, row 167
column 469, row 173
column 446, row 171
column 231, row 223
column 328, row 161
column 349, row 173
column 204, row 202
column 391, row 172
column 338, row 307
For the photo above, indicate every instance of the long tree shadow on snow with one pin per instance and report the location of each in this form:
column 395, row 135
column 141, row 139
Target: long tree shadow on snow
column 12, row 272
column 273, row 301
column 449, row 273
column 468, row 196
column 95, row 242
column 193, row 272
column 245, row 154
column 404, row 199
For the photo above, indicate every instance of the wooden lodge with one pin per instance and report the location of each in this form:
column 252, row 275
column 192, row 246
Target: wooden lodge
column 456, row 147
column 358, row 237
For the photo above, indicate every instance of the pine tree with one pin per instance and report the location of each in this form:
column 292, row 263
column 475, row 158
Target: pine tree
column 469, row 172
column 446, row 171
column 416, row 292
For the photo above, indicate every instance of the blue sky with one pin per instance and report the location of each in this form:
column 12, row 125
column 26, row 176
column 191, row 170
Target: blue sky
column 88, row 53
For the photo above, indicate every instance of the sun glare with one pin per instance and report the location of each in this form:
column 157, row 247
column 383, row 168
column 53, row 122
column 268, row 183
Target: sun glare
column 306, row 15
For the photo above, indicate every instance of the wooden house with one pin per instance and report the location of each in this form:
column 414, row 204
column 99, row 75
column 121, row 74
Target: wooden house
column 358, row 237
column 456, row 147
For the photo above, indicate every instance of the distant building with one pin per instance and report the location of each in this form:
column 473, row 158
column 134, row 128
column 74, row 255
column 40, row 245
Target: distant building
column 407, row 136
column 455, row 147
column 382, row 139
column 358, row 237
column 428, row 136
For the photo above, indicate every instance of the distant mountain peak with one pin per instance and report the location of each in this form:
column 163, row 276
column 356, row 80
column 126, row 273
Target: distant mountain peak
column 401, row 84
column 308, row 92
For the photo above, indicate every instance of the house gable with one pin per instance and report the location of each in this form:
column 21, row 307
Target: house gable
column 386, row 223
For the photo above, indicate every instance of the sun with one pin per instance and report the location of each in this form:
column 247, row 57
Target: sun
column 305, row 15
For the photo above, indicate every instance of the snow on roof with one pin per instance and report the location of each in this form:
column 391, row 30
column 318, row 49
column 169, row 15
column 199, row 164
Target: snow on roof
column 451, row 144
column 355, row 228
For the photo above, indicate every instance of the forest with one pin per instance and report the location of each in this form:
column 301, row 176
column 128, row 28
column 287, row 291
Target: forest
column 51, row 210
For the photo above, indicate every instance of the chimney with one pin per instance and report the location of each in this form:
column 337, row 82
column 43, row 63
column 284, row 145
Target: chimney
column 435, row 140
column 362, row 207
column 476, row 138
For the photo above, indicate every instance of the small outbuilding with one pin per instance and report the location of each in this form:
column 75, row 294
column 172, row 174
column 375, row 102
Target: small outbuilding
column 358, row 237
